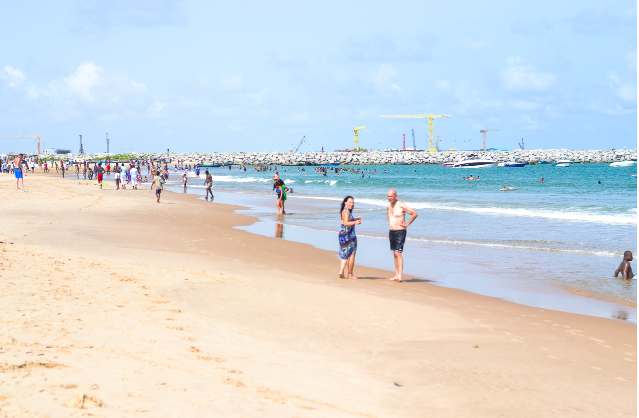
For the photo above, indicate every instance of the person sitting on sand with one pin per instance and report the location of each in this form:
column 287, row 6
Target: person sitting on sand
column 542, row 180
column 624, row 268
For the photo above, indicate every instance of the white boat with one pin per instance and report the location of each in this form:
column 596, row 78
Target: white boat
column 474, row 163
column 628, row 163
column 450, row 164
column 562, row 163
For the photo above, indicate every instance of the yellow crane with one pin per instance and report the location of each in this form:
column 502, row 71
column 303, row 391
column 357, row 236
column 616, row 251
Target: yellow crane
column 483, row 131
column 356, row 140
column 429, row 116
column 36, row 137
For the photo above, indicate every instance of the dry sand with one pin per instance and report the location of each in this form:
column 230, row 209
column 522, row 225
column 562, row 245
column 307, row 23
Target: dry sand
column 114, row 306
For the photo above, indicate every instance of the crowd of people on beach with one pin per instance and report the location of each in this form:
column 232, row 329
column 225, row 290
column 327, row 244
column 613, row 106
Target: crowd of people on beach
column 132, row 175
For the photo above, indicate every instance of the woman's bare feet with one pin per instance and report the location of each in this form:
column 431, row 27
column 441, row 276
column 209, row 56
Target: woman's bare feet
column 341, row 275
column 352, row 276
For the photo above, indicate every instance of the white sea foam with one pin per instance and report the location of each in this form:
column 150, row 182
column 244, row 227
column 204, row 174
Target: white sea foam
column 486, row 244
column 577, row 216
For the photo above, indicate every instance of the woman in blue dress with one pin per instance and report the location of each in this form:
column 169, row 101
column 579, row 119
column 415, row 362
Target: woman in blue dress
column 347, row 237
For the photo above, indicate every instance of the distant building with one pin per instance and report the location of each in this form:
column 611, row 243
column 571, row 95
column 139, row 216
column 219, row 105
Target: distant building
column 49, row 151
column 63, row 151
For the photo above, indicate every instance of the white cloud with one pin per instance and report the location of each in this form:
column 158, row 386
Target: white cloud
column 232, row 82
column 474, row 44
column 523, row 75
column 13, row 75
column 524, row 105
column 626, row 92
column 92, row 84
column 443, row 85
column 384, row 74
column 528, row 124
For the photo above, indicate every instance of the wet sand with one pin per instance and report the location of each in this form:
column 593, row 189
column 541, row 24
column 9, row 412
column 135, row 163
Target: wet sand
column 114, row 305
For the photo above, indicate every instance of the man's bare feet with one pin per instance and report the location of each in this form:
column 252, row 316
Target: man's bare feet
column 352, row 276
column 341, row 275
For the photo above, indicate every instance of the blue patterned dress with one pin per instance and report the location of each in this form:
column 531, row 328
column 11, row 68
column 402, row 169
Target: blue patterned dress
column 347, row 239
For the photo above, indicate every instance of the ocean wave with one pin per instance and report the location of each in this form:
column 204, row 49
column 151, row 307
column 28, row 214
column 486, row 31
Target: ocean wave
column 576, row 216
column 505, row 245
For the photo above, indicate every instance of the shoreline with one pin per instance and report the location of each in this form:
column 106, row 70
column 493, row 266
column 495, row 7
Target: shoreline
column 329, row 333
column 559, row 299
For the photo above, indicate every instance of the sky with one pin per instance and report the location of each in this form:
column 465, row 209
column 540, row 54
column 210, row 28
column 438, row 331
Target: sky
column 243, row 76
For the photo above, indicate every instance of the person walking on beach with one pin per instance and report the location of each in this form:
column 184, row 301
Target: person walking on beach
column 184, row 180
column 17, row 172
column 280, row 189
column 208, row 182
column 157, row 185
column 396, row 213
column 133, row 171
column 99, row 172
column 116, row 171
column 347, row 237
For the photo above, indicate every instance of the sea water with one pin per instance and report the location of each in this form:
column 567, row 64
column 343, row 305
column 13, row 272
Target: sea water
column 552, row 244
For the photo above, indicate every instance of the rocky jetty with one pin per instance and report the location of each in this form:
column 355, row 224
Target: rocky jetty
column 381, row 158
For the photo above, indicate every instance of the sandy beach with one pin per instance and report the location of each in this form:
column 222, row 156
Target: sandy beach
column 114, row 305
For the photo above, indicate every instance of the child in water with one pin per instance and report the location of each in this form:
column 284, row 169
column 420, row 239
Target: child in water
column 624, row 268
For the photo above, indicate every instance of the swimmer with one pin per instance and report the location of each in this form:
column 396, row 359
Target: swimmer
column 624, row 268
column 471, row 177
column 504, row 189
column 542, row 180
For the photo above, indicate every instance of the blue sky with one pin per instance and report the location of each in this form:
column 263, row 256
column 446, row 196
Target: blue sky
column 257, row 76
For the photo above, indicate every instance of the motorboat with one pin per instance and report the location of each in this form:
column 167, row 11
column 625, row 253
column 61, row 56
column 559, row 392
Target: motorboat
column 514, row 164
column 449, row 164
column 562, row 163
column 627, row 163
column 474, row 163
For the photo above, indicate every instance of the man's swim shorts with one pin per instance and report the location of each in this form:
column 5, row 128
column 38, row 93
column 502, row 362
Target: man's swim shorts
column 397, row 239
column 18, row 173
column 100, row 178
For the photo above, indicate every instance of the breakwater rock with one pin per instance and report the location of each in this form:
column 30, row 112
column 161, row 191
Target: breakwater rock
column 381, row 158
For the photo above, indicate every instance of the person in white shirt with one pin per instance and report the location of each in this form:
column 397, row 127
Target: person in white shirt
column 134, row 177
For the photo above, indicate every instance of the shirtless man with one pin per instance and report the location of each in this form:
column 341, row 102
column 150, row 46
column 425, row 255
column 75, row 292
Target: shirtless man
column 17, row 171
column 624, row 268
column 396, row 213
column 208, row 183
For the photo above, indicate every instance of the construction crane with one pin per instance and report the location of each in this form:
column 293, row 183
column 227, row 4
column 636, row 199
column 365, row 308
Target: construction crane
column 81, row 147
column 483, row 131
column 430, row 117
column 356, row 140
column 35, row 136
column 414, row 146
column 300, row 144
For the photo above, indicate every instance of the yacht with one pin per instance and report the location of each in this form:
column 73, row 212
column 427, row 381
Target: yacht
column 514, row 164
column 474, row 163
column 628, row 163
column 562, row 163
